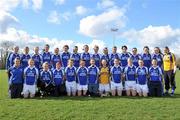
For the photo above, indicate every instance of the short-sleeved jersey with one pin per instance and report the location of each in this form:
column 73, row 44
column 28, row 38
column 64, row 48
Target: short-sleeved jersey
column 93, row 74
column 65, row 56
column 116, row 73
column 141, row 75
column 70, row 73
column 58, row 76
column 86, row 57
column 104, row 75
column 76, row 57
column 30, row 75
column 82, row 75
column 130, row 73
column 155, row 73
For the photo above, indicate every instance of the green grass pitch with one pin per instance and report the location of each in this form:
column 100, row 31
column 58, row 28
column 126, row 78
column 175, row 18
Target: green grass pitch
column 87, row 108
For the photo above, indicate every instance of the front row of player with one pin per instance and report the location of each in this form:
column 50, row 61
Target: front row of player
column 81, row 80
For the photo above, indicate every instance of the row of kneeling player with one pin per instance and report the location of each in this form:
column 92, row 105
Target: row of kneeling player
column 79, row 81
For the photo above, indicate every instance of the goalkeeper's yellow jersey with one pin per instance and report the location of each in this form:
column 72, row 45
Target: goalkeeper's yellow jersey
column 168, row 61
column 104, row 75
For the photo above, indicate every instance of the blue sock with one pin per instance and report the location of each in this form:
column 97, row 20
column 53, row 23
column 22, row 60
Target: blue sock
column 172, row 91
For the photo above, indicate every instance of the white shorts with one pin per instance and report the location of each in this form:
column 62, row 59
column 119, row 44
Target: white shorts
column 104, row 87
column 116, row 86
column 29, row 89
column 82, row 87
column 142, row 88
column 130, row 85
column 71, row 87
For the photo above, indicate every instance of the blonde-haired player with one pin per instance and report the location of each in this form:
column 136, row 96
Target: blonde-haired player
column 70, row 74
column 104, row 82
column 30, row 78
column 130, row 77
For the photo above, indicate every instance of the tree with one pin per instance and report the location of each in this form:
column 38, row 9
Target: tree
column 5, row 48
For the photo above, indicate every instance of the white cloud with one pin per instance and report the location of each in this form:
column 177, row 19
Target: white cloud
column 59, row 2
column 155, row 36
column 25, row 4
column 105, row 4
column 7, row 20
column 22, row 39
column 34, row 4
column 37, row 4
column 66, row 16
column 57, row 18
column 81, row 10
column 8, row 5
column 97, row 25
column 54, row 17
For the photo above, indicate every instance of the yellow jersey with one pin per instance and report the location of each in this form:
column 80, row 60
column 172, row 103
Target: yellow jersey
column 104, row 75
column 169, row 61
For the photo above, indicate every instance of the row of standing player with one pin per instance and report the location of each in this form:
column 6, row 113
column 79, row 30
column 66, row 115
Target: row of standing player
column 83, row 78
column 52, row 59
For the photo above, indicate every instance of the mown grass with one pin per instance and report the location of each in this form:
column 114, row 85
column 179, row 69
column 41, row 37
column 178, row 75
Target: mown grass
column 87, row 108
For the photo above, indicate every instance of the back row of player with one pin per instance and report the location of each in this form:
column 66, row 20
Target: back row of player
column 52, row 59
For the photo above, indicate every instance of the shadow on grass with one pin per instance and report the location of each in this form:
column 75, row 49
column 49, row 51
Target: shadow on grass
column 176, row 96
column 76, row 98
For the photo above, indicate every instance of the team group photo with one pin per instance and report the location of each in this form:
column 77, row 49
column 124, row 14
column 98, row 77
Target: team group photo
column 89, row 60
column 85, row 74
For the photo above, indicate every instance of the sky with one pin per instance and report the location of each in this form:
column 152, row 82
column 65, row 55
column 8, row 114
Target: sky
column 78, row 22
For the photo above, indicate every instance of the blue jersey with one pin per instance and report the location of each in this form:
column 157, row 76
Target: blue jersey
column 155, row 73
column 105, row 57
column 70, row 73
column 76, row 57
column 116, row 73
column 37, row 60
column 30, row 75
column 86, row 57
column 159, row 59
column 65, row 56
column 97, row 58
column 46, row 76
column 55, row 59
column 135, row 59
column 24, row 60
column 112, row 57
column 130, row 73
column 147, row 60
column 58, row 76
column 46, row 57
column 93, row 74
column 123, row 58
column 10, row 59
column 142, row 75
column 82, row 75
column 16, row 75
